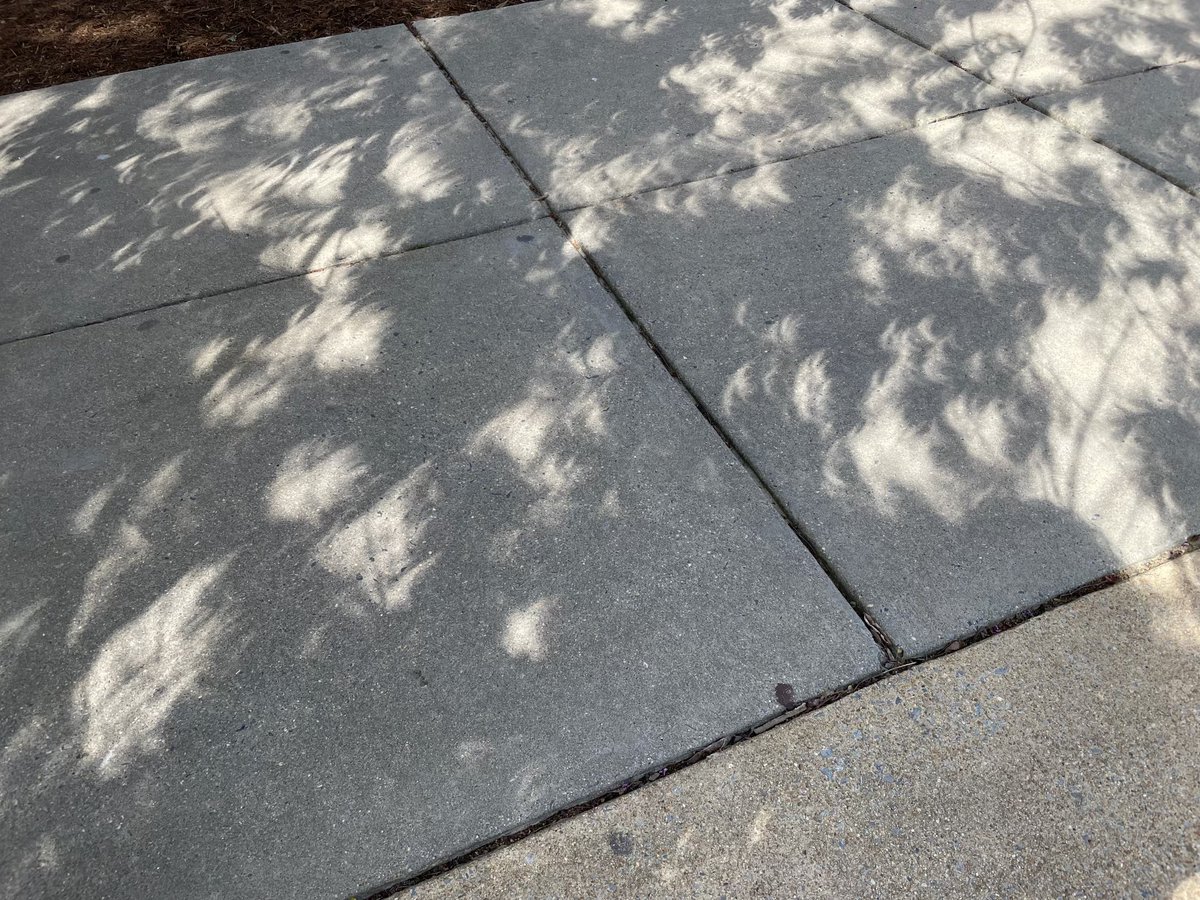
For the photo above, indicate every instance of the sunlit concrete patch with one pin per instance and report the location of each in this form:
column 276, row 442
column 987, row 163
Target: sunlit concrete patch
column 1061, row 754
column 965, row 356
column 1033, row 46
column 334, row 577
column 1152, row 116
column 129, row 191
column 602, row 99
column 524, row 632
column 147, row 667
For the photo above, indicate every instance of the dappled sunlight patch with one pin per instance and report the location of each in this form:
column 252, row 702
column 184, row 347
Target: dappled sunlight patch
column 563, row 404
column 1041, row 45
column 129, row 545
column 525, row 631
column 739, row 388
column 145, row 669
column 1037, row 399
column 17, row 114
column 415, row 171
column 812, row 391
column 473, row 751
column 264, row 195
column 310, row 248
column 774, row 80
column 384, row 550
column 17, row 629
column 627, row 19
column 936, row 236
column 1105, row 364
column 188, row 120
column 128, row 548
column 152, row 495
column 332, row 335
column 522, row 432
column 206, row 357
column 312, row 480
column 760, row 188
column 896, row 460
column 89, row 512
column 735, row 96
column 1188, row 889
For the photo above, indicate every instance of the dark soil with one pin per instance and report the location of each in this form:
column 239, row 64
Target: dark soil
column 45, row 42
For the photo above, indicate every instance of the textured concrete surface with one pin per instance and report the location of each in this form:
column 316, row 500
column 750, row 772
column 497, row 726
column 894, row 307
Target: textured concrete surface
column 604, row 99
column 130, row 191
column 1033, row 46
column 1152, row 116
column 1059, row 758
column 964, row 356
column 312, row 583
column 308, row 587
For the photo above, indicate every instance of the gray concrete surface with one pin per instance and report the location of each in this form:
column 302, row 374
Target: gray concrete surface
column 1034, row 46
column 1057, row 759
column 964, row 356
column 605, row 99
column 126, row 192
column 307, row 587
column 1152, row 116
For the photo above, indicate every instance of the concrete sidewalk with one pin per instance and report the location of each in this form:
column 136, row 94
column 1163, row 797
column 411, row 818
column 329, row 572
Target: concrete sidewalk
column 1058, row 758
column 411, row 434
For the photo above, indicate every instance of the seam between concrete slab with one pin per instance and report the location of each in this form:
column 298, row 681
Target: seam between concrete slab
column 899, row 32
column 767, row 164
column 275, row 279
column 1027, row 100
column 1037, row 105
column 1183, row 60
column 890, row 651
column 1111, row 579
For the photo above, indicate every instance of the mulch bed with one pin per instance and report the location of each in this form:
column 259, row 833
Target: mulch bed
column 44, row 42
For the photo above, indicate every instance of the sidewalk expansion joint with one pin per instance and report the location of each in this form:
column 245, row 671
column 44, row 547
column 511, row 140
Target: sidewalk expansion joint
column 782, row 160
column 1028, row 100
column 889, row 650
column 787, row 714
column 261, row 282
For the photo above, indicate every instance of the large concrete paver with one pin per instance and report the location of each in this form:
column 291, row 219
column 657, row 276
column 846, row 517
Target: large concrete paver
column 1058, row 759
column 603, row 99
column 1034, row 46
column 1152, row 116
column 309, row 586
column 131, row 191
column 964, row 356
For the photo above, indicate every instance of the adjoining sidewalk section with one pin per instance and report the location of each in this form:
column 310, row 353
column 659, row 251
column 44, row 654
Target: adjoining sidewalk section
column 1058, row 757
column 194, row 179
column 411, row 434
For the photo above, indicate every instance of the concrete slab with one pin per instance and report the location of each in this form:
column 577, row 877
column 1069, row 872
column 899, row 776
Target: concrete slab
column 1057, row 758
column 125, row 192
column 1153, row 116
column 965, row 356
column 1034, row 46
column 603, row 99
column 312, row 585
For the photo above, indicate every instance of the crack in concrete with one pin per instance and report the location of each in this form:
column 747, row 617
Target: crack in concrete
column 889, row 650
column 801, row 708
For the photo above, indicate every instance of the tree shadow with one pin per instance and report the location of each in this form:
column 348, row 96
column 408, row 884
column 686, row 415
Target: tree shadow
column 263, row 545
column 965, row 357
column 1035, row 46
column 199, row 178
column 674, row 92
